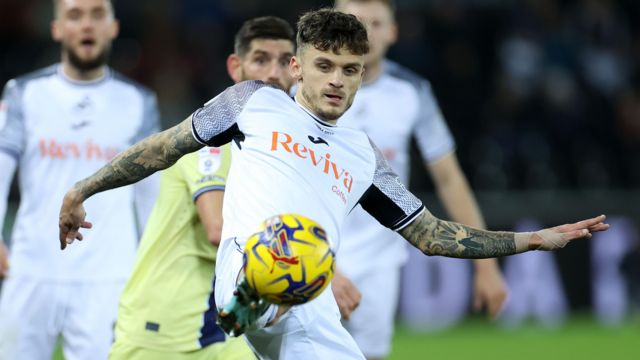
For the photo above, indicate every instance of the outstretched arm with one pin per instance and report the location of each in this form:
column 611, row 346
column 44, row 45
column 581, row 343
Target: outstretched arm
column 154, row 153
column 157, row 152
column 438, row 237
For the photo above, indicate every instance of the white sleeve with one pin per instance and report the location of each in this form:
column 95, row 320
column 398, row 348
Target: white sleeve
column 431, row 132
column 8, row 165
column 215, row 124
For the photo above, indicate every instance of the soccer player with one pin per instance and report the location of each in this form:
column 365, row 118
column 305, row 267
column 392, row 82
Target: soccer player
column 289, row 156
column 61, row 124
column 167, row 309
column 393, row 105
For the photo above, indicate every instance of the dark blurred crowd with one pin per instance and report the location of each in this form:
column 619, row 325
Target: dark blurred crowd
column 540, row 94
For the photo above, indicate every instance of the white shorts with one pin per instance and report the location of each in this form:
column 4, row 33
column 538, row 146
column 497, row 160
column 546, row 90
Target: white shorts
column 33, row 313
column 372, row 323
column 310, row 331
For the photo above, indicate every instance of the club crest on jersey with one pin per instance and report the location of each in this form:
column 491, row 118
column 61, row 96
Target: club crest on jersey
column 209, row 159
column 281, row 141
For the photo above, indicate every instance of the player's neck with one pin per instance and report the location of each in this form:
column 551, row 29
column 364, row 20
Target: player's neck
column 372, row 71
column 76, row 74
column 306, row 106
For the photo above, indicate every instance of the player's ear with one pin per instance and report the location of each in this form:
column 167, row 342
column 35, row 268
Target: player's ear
column 393, row 35
column 114, row 29
column 234, row 67
column 295, row 68
column 56, row 32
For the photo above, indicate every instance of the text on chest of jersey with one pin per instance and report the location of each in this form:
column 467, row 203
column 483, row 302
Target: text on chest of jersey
column 283, row 141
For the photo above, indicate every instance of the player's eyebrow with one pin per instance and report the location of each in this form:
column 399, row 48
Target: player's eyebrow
column 353, row 64
column 260, row 52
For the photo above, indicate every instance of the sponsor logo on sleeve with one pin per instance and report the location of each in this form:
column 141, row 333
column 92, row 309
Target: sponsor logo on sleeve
column 209, row 160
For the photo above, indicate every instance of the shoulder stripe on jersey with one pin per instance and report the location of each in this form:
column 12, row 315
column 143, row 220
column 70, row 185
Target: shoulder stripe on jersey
column 220, row 113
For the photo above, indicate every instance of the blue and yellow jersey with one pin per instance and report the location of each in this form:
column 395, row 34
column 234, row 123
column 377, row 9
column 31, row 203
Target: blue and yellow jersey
column 168, row 303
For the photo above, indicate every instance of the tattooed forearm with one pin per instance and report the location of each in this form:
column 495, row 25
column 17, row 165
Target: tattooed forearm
column 438, row 237
column 154, row 153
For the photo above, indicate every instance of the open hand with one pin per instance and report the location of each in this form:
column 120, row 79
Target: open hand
column 559, row 236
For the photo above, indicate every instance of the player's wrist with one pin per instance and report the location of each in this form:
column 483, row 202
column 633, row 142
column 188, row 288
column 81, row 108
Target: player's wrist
column 74, row 196
column 525, row 241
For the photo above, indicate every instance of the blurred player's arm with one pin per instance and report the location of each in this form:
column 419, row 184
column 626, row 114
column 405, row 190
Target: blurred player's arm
column 434, row 236
column 8, row 164
column 209, row 207
column 455, row 194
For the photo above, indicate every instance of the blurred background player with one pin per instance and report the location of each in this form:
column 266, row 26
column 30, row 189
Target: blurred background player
column 393, row 105
column 61, row 123
column 167, row 310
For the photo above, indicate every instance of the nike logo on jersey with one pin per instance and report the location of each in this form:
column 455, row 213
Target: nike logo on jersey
column 80, row 124
column 284, row 142
column 318, row 140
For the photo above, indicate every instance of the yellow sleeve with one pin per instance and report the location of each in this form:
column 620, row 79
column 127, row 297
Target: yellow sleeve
column 206, row 169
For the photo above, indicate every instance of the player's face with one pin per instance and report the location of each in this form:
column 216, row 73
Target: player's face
column 85, row 29
column 381, row 26
column 266, row 60
column 327, row 81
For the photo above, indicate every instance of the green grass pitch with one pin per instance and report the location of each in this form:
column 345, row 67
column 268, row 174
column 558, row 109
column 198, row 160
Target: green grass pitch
column 579, row 339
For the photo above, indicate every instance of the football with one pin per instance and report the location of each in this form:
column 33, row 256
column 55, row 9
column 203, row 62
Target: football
column 289, row 260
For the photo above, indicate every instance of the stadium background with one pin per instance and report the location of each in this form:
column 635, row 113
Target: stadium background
column 542, row 96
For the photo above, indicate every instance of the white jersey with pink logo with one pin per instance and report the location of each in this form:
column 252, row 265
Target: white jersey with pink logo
column 61, row 131
column 286, row 160
column 390, row 110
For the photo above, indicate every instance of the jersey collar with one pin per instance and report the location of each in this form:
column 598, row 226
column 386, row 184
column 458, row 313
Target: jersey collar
column 313, row 116
column 100, row 80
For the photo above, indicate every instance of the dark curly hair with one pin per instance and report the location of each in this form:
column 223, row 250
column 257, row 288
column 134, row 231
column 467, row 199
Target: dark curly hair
column 327, row 29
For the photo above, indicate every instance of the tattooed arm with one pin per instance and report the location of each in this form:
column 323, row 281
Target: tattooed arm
column 438, row 237
column 154, row 153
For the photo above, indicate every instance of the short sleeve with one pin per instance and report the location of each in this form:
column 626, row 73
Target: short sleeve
column 205, row 170
column 12, row 127
column 215, row 123
column 431, row 131
column 387, row 199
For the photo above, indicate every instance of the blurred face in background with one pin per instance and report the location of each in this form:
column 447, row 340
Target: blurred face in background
column 266, row 60
column 327, row 81
column 381, row 26
column 85, row 30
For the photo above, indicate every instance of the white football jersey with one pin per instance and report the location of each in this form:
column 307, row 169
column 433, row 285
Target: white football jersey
column 60, row 131
column 390, row 110
column 286, row 160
